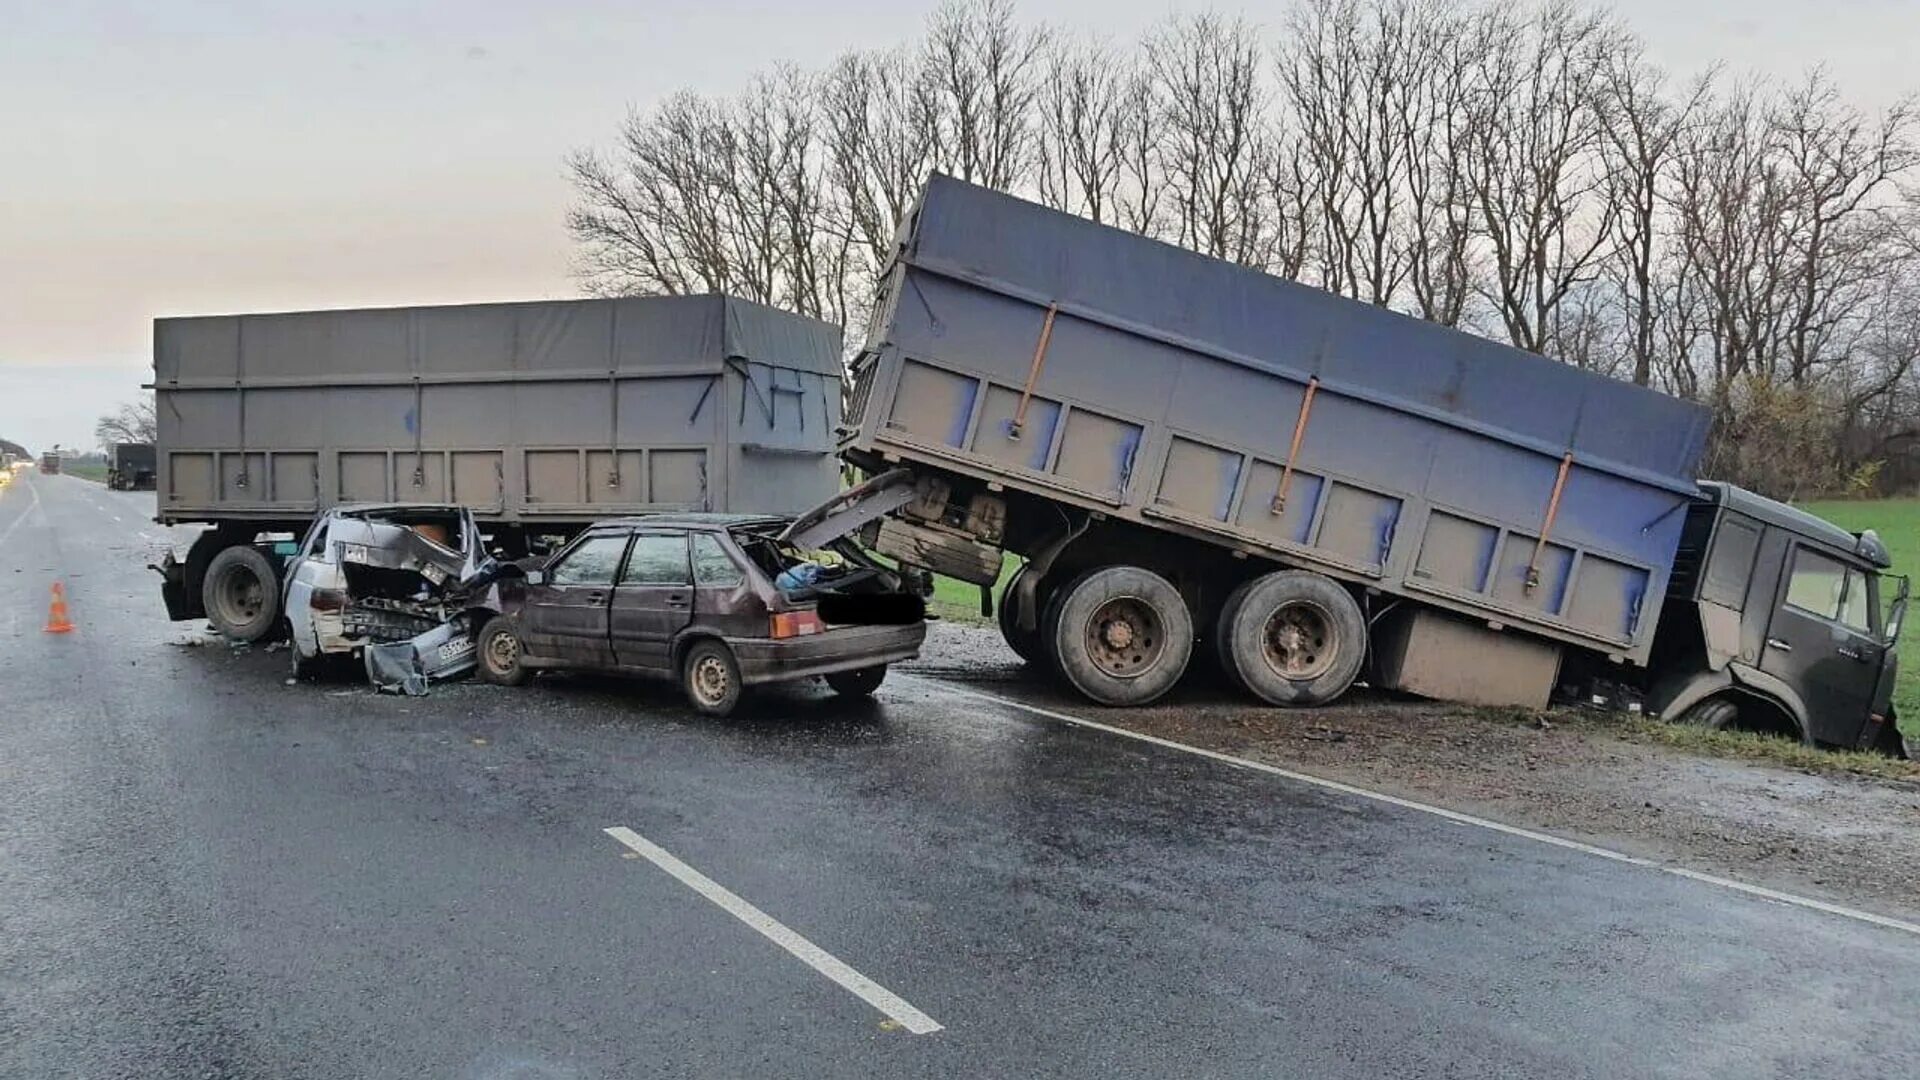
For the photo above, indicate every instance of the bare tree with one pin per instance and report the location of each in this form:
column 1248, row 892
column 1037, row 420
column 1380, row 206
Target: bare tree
column 984, row 67
column 133, row 422
column 1534, row 168
column 1083, row 128
column 1209, row 102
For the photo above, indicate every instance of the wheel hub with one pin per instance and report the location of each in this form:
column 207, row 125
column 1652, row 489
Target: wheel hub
column 502, row 651
column 710, row 679
column 1124, row 637
column 1299, row 640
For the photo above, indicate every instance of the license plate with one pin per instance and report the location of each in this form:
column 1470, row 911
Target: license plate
column 453, row 650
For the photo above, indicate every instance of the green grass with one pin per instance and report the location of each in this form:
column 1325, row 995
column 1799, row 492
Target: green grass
column 95, row 473
column 1706, row 742
column 1898, row 523
column 959, row 601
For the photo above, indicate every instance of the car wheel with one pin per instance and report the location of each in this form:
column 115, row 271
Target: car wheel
column 1024, row 643
column 858, row 683
column 1295, row 638
column 241, row 594
column 501, row 659
column 1121, row 635
column 711, row 678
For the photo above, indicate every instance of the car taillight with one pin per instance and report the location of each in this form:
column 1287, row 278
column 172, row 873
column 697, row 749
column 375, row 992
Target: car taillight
column 328, row 600
column 786, row 624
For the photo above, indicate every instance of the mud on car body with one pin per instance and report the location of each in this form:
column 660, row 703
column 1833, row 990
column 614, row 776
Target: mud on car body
column 719, row 601
column 405, row 586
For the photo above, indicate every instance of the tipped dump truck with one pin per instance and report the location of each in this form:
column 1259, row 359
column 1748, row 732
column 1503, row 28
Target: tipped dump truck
column 1187, row 455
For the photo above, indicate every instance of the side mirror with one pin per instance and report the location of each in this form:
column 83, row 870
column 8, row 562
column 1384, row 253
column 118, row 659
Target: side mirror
column 536, row 577
column 1897, row 612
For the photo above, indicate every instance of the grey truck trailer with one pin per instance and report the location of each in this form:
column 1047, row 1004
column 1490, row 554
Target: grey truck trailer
column 1183, row 452
column 541, row 418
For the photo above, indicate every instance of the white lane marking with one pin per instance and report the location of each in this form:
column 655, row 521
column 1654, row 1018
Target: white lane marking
column 805, row 951
column 1455, row 816
column 35, row 492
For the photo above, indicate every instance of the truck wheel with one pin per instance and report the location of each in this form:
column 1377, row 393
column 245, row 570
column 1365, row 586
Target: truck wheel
column 1223, row 633
column 1719, row 714
column 241, row 594
column 858, row 683
column 1024, row 643
column 500, row 653
column 1121, row 635
column 711, row 678
column 1294, row 638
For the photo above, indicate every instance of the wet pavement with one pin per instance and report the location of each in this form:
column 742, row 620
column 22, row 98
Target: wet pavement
column 207, row 872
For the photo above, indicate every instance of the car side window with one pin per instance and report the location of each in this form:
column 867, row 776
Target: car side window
column 657, row 559
column 592, row 563
column 712, row 565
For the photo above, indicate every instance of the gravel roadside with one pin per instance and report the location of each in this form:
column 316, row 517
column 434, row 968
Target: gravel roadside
column 1847, row 838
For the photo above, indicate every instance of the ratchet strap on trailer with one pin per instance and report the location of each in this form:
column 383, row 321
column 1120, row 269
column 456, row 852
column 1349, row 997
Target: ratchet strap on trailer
column 1033, row 375
column 1293, row 450
column 1546, row 529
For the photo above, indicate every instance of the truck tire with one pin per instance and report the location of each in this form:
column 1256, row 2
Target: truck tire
column 241, row 593
column 1121, row 635
column 1718, row 714
column 1223, row 633
column 1024, row 643
column 1294, row 638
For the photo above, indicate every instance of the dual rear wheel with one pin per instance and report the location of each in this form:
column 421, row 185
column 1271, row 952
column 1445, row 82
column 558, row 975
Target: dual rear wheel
column 1123, row 635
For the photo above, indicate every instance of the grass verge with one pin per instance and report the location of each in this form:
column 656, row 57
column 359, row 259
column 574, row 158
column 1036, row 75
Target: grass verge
column 1706, row 742
column 95, row 473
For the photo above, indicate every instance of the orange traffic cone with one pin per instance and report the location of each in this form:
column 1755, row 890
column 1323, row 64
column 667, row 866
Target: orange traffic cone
column 57, row 621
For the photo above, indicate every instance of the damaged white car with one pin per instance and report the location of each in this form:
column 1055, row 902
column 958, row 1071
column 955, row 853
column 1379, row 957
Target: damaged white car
column 404, row 586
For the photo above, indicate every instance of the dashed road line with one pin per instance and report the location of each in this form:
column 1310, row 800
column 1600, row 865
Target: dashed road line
column 820, row 960
column 1455, row 816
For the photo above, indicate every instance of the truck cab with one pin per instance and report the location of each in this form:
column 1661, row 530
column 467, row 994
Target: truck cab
column 1779, row 621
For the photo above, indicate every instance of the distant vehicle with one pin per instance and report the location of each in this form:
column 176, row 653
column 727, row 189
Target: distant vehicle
column 130, row 467
column 539, row 418
column 50, row 464
column 715, row 600
column 1188, row 451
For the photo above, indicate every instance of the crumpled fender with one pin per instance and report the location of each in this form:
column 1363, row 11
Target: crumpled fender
column 1673, row 696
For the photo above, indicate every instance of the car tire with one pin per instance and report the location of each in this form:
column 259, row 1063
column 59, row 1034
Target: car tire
column 860, row 682
column 1025, row 644
column 1294, row 638
column 710, row 677
column 241, row 593
column 500, row 652
column 1121, row 635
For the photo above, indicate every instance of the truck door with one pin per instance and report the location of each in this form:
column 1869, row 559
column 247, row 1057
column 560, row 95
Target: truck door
column 653, row 600
column 1821, row 641
column 566, row 616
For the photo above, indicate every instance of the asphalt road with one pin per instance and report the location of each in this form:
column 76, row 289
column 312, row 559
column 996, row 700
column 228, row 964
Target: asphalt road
column 205, row 872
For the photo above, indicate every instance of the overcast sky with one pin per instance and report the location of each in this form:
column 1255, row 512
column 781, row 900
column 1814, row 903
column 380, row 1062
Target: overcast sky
column 199, row 156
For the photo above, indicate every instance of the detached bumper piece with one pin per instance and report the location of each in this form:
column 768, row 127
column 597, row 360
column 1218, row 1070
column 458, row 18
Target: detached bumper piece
column 407, row 667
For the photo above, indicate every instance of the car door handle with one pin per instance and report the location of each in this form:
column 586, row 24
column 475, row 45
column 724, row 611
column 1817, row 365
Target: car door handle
column 677, row 601
column 1776, row 643
column 595, row 597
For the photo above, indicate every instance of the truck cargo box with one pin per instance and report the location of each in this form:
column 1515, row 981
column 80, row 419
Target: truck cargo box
column 1043, row 354
column 556, row 413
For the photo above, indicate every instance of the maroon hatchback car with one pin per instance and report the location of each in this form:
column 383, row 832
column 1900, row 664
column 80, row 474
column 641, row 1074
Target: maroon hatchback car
column 717, row 600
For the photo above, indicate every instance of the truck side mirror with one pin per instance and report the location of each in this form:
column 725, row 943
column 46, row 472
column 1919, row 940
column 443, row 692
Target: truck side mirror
column 1897, row 612
column 536, row 577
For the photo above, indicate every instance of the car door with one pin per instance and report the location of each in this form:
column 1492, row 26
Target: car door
column 653, row 600
column 1821, row 641
column 565, row 617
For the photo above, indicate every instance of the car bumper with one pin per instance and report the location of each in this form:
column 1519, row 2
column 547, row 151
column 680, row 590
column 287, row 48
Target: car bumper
column 845, row 648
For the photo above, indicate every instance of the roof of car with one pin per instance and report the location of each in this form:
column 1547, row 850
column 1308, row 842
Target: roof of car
column 693, row 520
column 356, row 509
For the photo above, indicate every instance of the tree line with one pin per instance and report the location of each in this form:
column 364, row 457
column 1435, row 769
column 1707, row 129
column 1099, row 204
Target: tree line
column 1523, row 172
